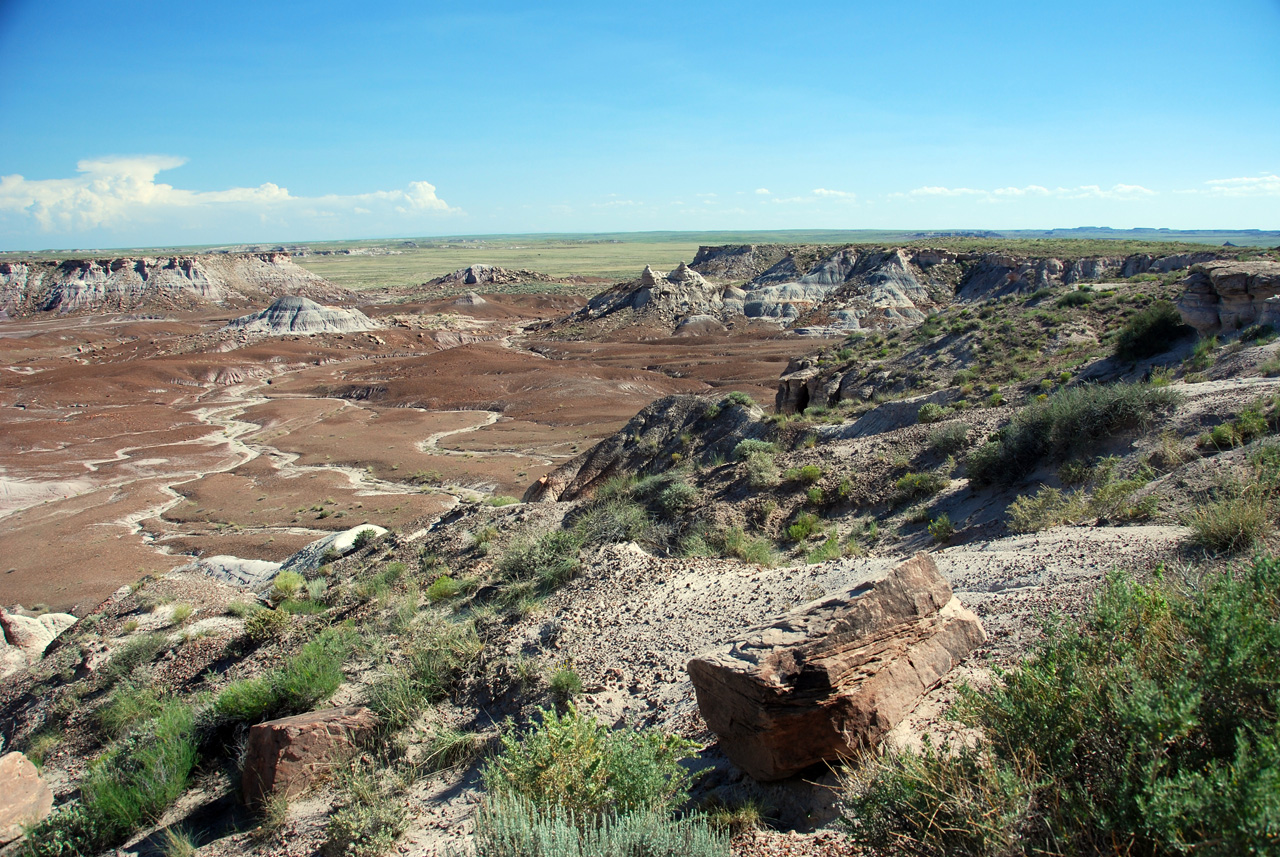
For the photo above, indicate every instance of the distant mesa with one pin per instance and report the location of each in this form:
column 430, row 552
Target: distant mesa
column 293, row 314
column 133, row 283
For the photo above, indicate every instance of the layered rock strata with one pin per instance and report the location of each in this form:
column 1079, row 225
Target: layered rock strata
column 1223, row 297
column 828, row 679
column 292, row 314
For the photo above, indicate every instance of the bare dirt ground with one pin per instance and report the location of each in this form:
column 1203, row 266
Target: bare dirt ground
column 131, row 443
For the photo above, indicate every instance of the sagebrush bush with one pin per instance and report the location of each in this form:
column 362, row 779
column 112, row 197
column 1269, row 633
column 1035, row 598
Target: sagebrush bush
column 913, row 486
column 807, row 474
column 949, row 439
column 1150, row 332
column 1152, row 727
column 367, row 820
column 262, row 625
column 1070, row 422
column 1231, row 523
column 509, row 826
column 747, row 448
column 136, row 653
column 575, row 763
column 285, row 585
column 761, row 471
column 550, row 559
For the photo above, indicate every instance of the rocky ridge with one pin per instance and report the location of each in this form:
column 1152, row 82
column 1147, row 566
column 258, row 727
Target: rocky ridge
column 163, row 283
column 293, row 314
column 1228, row 296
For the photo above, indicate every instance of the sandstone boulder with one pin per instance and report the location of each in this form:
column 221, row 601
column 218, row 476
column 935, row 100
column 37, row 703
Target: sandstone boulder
column 1223, row 297
column 24, row 797
column 287, row 755
column 830, row 678
column 32, row 635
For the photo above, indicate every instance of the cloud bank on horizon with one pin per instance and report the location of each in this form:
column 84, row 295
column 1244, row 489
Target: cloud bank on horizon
column 119, row 196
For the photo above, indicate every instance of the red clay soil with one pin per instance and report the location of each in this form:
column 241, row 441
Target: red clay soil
column 128, row 445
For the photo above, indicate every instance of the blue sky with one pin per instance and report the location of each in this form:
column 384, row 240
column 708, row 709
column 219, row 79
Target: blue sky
column 138, row 123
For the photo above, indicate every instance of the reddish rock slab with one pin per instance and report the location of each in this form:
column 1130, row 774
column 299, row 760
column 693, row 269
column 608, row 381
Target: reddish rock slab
column 24, row 797
column 830, row 678
column 288, row 755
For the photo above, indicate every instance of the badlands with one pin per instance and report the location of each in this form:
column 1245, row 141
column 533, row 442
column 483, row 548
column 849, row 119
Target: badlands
column 782, row 505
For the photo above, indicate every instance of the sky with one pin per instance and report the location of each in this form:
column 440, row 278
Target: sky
column 130, row 124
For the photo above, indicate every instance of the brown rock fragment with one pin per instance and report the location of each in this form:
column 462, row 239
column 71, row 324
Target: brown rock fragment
column 24, row 797
column 833, row 676
column 288, row 754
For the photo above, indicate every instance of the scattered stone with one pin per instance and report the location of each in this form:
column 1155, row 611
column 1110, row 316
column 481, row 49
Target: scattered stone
column 475, row 275
column 286, row 756
column 25, row 798
column 830, row 678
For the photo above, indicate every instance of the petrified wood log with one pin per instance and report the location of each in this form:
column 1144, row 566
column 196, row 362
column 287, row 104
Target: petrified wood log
column 833, row 676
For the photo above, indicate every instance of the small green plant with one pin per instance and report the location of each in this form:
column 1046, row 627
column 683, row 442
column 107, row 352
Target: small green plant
column 1232, row 523
column 949, row 439
column 747, row 448
column 178, row 842
column 1202, row 356
column 1078, row 298
column 264, row 624
column 941, row 529
column 737, row 397
column 127, row 706
column 285, row 586
column 804, row 526
column 913, row 486
column 136, row 653
column 367, row 820
column 312, row 675
column 808, row 474
column 564, row 683
column 573, row 762
column 443, row 588
column 181, row 613
column 502, row 500
column 364, row 538
column 510, row 826
column 828, row 550
column 933, row 413
column 761, row 472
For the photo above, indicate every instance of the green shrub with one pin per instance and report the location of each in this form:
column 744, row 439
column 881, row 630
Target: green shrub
column 263, row 625
column 135, row 653
column 738, row 543
column 367, row 820
column 127, row 706
column 1078, row 298
column 761, row 471
column 509, row 826
column 501, row 500
column 1150, row 332
column 676, row 498
column 285, row 585
column 573, row 762
column 1231, row 524
column 828, row 550
column 941, row 528
column 565, row 683
column 433, row 665
column 1202, row 355
column 913, row 486
column 128, row 787
column 613, row 521
column 1070, row 422
column 551, row 559
column 805, row 525
column 312, row 675
column 949, row 439
column 364, row 538
column 808, row 474
column 747, row 448
column 443, row 588
column 933, row 413
column 737, row 397
column 1149, row 728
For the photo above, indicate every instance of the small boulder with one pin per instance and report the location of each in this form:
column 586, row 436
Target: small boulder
column 287, row 755
column 32, row 635
column 340, row 544
column 25, row 799
column 830, row 678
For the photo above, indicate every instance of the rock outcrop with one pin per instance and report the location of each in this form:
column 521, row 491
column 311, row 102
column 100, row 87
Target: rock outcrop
column 1223, row 297
column 25, row 638
column 298, row 315
column 251, row 573
column 336, row 545
column 25, row 798
column 830, row 678
column 286, row 756
column 477, row 275
column 686, row 426
column 144, row 282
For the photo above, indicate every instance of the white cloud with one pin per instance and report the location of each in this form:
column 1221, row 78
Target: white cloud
column 1119, row 191
column 1263, row 185
column 763, row 191
column 834, row 194
column 120, row 192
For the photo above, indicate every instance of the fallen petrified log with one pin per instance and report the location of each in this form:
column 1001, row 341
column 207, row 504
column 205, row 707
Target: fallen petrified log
column 833, row 676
